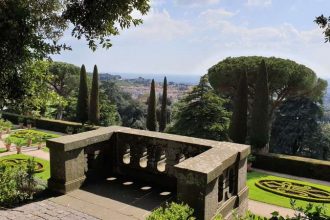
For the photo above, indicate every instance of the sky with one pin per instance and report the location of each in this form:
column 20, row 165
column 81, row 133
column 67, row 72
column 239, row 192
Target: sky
column 187, row 37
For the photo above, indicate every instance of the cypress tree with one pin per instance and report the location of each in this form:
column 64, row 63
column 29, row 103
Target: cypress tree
column 82, row 103
column 163, row 111
column 238, row 125
column 151, row 117
column 259, row 137
column 94, row 109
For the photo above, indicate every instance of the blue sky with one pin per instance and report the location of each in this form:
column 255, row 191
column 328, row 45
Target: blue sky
column 189, row 36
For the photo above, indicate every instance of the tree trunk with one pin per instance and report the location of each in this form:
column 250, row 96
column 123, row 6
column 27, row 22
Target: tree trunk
column 59, row 114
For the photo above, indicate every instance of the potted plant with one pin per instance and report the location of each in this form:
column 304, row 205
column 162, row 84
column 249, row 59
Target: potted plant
column 40, row 140
column 1, row 132
column 69, row 130
column 29, row 123
column 8, row 143
column 250, row 160
column 29, row 138
column 8, row 126
column 19, row 144
column 20, row 122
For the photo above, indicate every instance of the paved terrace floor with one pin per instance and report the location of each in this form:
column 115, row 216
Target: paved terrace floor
column 114, row 199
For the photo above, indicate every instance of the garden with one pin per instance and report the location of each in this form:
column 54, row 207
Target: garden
column 26, row 138
column 22, row 178
column 280, row 191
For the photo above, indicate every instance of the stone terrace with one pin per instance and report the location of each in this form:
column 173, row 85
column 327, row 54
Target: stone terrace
column 94, row 167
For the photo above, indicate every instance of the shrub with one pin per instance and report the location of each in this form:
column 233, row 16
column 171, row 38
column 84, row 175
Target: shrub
column 17, row 183
column 172, row 211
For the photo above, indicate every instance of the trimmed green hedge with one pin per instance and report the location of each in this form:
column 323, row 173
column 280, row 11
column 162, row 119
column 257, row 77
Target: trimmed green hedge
column 297, row 166
column 45, row 123
column 294, row 190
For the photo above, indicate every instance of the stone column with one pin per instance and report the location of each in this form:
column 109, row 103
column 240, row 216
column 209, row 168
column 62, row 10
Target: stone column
column 202, row 197
column 67, row 169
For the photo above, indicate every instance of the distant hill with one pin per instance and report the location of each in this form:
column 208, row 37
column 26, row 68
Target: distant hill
column 185, row 79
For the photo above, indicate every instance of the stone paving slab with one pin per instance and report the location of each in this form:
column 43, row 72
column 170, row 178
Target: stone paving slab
column 45, row 209
column 116, row 198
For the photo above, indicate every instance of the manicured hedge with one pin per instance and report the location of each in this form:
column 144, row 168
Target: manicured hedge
column 45, row 123
column 297, row 166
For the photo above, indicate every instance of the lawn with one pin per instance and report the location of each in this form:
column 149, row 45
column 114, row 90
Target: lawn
column 35, row 135
column 42, row 175
column 258, row 194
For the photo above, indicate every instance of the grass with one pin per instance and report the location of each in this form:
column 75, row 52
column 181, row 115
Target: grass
column 2, row 150
column 260, row 195
column 42, row 175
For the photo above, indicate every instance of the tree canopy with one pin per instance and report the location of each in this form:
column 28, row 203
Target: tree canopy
column 286, row 78
column 31, row 30
column 295, row 127
column 201, row 114
column 324, row 23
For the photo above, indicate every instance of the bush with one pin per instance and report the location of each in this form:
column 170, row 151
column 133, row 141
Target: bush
column 172, row 211
column 17, row 183
column 293, row 165
column 45, row 123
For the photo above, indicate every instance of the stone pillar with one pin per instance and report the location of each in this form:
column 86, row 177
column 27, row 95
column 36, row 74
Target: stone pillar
column 199, row 195
column 67, row 169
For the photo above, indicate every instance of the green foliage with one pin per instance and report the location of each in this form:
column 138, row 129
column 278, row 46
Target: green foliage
column 64, row 80
column 94, row 108
column 98, row 20
column 260, row 195
column 38, row 167
column 259, row 135
column 83, row 99
column 286, row 78
column 163, row 111
column 151, row 116
column 172, row 211
column 238, row 123
column 201, row 114
column 22, row 136
column 4, row 125
column 131, row 112
column 17, row 183
column 45, row 123
column 296, row 129
column 31, row 30
column 324, row 23
column 294, row 190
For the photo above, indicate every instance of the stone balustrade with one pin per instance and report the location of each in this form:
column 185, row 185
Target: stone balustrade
column 208, row 175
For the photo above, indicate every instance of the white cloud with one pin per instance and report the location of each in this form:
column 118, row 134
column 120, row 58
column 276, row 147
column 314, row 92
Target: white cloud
column 259, row 3
column 196, row 2
column 214, row 16
column 159, row 26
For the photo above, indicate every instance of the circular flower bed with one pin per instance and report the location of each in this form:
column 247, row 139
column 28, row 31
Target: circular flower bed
column 294, row 190
column 39, row 167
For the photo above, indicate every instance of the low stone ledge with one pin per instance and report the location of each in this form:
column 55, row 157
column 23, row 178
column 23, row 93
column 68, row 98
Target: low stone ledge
column 206, row 167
